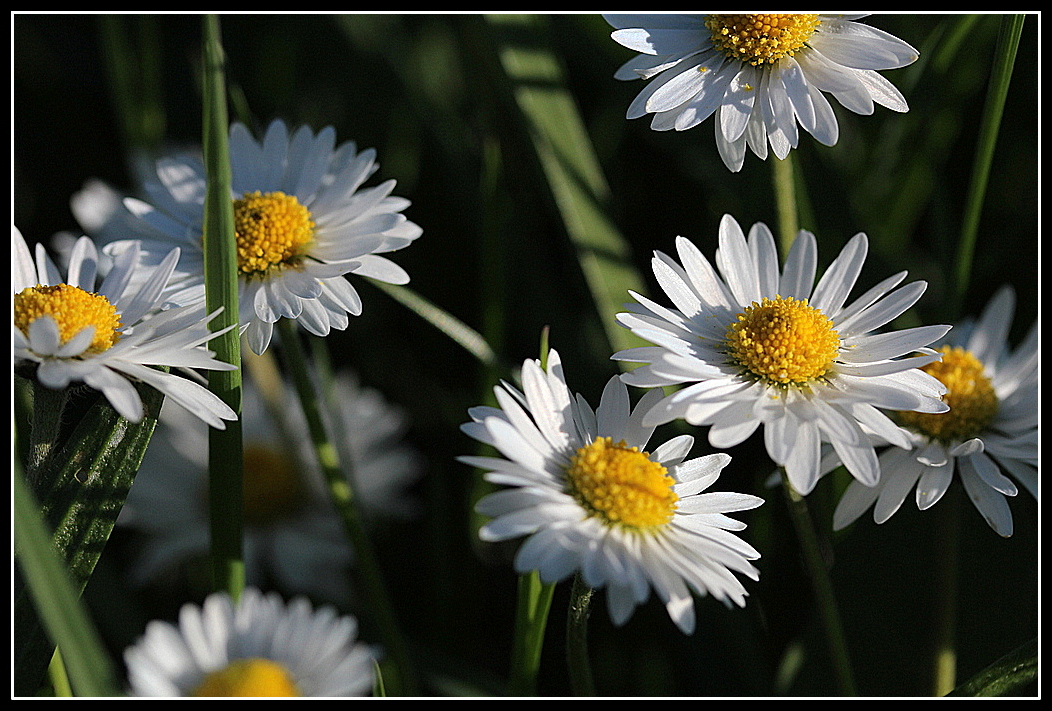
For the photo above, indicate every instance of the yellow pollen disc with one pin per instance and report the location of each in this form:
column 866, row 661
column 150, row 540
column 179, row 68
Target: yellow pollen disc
column 272, row 487
column 271, row 231
column 621, row 484
column 971, row 397
column 783, row 341
column 249, row 677
column 760, row 39
column 73, row 309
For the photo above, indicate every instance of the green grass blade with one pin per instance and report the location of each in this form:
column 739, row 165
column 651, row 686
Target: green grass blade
column 225, row 458
column 54, row 595
column 465, row 336
column 990, row 124
column 81, row 491
column 1005, row 676
column 570, row 166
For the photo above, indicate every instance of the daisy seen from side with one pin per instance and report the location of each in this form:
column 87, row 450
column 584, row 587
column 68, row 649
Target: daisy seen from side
column 755, row 346
column 990, row 431
column 259, row 646
column 588, row 497
column 302, row 220
column 67, row 330
column 762, row 76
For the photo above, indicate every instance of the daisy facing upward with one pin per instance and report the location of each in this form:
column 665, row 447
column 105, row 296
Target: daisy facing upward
column 758, row 347
column 302, row 222
column 588, row 496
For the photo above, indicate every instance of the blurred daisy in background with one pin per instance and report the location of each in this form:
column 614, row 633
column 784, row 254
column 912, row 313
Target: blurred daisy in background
column 758, row 348
column 302, row 220
column 294, row 539
column 588, row 497
column 990, row 430
column 762, row 76
column 69, row 332
column 257, row 647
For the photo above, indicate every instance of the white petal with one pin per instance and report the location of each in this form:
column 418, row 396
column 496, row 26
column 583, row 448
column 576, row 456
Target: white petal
column 895, row 486
column 23, row 269
column 990, row 503
column 44, row 337
column 838, row 280
column 933, row 483
column 798, row 276
column 853, row 503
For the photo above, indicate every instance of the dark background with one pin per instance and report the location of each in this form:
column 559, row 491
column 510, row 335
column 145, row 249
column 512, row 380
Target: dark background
column 421, row 90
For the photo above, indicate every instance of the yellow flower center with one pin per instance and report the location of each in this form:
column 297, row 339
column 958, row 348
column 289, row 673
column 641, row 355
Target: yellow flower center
column 272, row 488
column 249, row 677
column 971, row 397
column 621, row 484
column 73, row 309
column 759, row 39
column 271, row 230
column 783, row 341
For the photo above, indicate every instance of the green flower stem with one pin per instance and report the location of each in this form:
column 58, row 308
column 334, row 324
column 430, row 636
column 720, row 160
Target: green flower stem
column 399, row 679
column 990, row 123
column 132, row 50
column 785, row 200
column 945, row 659
column 225, row 456
column 577, row 639
column 947, row 555
column 534, row 602
column 822, row 587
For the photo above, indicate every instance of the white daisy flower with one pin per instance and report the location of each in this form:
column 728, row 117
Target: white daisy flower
column 762, row 348
column 293, row 535
column 107, row 338
column 588, row 498
column 257, row 647
column 302, row 220
column 990, row 430
column 761, row 75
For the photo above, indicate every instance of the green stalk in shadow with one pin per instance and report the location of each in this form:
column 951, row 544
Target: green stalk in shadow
column 531, row 616
column 399, row 679
column 822, row 586
column 784, row 183
column 944, row 662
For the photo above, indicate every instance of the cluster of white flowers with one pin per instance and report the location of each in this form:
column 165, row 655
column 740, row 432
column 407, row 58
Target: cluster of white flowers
column 303, row 221
column 748, row 343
